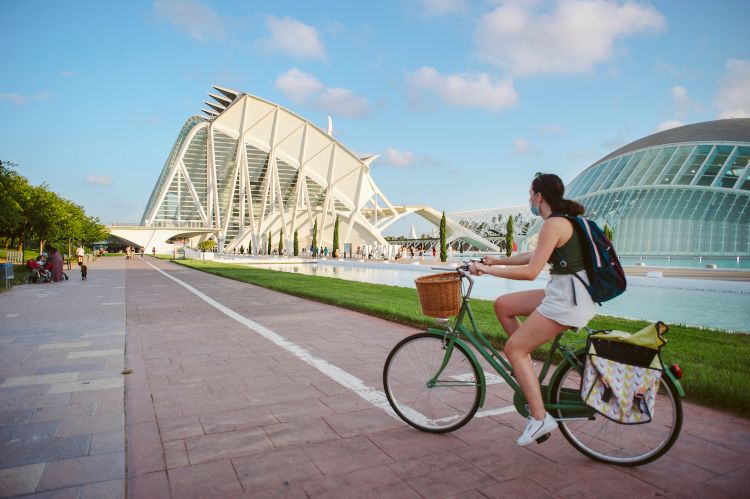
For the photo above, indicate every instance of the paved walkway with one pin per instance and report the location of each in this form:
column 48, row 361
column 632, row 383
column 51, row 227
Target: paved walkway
column 241, row 391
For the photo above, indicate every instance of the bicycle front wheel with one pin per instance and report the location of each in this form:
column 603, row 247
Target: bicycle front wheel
column 608, row 441
column 441, row 406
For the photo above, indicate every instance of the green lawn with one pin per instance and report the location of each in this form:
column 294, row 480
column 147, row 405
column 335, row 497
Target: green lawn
column 716, row 363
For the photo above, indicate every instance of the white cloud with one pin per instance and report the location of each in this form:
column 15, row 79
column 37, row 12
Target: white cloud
column 522, row 146
column 13, row 98
column 95, row 179
column 304, row 88
column 733, row 96
column 443, row 7
column 298, row 86
column 192, row 16
column 465, row 89
column 44, row 95
column 669, row 124
column 572, row 37
column 400, row 159
column 683, row 103
column 292, row 37
column 67, row 73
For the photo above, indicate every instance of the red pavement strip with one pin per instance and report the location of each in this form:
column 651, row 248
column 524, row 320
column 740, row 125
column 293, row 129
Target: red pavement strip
column 215, row 409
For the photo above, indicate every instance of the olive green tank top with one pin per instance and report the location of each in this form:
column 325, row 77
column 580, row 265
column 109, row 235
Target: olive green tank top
column 571, row 253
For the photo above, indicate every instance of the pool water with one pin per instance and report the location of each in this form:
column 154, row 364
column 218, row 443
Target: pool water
column 727, row 308
column 694, row 262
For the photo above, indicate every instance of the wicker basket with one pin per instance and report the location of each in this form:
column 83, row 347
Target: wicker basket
column 440, row 294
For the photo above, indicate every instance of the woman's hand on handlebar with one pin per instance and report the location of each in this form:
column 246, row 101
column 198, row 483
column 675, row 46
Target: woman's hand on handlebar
column 477, row 268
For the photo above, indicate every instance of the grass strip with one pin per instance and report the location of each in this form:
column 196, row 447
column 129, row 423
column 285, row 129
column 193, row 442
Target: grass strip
column 716, row 363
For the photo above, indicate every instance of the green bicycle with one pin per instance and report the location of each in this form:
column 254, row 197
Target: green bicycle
column 435, row 383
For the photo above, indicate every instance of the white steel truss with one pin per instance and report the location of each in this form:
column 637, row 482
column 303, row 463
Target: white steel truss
column 252, row 169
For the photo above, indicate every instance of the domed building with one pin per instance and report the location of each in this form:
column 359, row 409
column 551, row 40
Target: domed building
column 680, row 192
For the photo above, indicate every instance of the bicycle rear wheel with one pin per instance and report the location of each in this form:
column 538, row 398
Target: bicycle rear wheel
column 447, row 405
column 608, row 441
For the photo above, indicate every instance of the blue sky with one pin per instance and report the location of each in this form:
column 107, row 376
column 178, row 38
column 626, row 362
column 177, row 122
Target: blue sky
column 463, row 100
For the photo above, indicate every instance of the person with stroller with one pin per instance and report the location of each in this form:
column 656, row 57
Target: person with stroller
column 56, row 264
column 41, row 268
column 45, row 266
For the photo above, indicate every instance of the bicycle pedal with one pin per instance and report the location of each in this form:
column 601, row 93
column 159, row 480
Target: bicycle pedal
column 543, row 438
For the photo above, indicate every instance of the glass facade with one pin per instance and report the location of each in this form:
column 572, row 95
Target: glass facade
column 252, row 169
column 688, row 198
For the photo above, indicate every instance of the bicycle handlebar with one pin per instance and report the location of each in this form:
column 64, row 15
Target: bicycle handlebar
column 463, row 272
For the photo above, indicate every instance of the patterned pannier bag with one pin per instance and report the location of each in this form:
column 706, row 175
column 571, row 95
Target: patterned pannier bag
column 622, row 373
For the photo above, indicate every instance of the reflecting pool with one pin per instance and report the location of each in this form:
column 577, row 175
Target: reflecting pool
column 690, row 262
column 714, row 304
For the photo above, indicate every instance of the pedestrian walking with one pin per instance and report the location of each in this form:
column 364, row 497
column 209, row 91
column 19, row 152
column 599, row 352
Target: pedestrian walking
column 79, row 254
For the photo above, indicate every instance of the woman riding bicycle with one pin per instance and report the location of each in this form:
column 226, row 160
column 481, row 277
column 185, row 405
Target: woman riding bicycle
column 564, row 303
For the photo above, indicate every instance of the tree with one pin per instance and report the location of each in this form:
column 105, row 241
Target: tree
column 609, row 232
column 443, row 246
column 335, row 249
column 281, row 241
column 509, row 236
column 296, row 244
column 315, row 237
column 14, row 194
column 207, row 245
column 268, row 249
column 249, row 246
column 28, row 211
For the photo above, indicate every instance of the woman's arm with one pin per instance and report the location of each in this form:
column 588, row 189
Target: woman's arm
column 520, row 259
column 552, row 232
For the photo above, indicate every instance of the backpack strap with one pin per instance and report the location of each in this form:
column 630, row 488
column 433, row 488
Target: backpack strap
column 561, row 261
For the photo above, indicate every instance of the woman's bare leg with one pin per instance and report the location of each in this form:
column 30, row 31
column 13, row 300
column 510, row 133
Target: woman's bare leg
column 536, row 331
column 509, row 307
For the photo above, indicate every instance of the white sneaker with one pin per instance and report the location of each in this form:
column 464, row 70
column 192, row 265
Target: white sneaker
column 535, row 429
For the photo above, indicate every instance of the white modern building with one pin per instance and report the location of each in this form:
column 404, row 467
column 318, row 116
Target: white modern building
column 491, row 223
column 250, row 170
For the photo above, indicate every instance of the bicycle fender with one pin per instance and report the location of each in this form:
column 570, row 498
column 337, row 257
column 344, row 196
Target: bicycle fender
column 482, row 381
column 680, row 390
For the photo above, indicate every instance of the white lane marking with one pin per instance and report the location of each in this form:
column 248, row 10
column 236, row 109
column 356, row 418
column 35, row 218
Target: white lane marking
column 349, row 381
column 495, row 412
column 11, row 315
column 114, row 303
column 371, row 395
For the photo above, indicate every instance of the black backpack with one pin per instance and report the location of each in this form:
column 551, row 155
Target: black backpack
column 605, row 273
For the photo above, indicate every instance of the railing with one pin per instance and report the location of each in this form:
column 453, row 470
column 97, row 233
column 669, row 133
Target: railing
column 165, row 224
column 14, row 256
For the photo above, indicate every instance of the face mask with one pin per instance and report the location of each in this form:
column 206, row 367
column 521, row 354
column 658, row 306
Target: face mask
column 534, row 209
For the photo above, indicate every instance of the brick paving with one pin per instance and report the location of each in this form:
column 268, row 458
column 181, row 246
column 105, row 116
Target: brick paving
column 214, row 409
column 62, row 423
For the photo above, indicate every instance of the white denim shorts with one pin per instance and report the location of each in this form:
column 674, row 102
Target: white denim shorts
column 567, row 301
